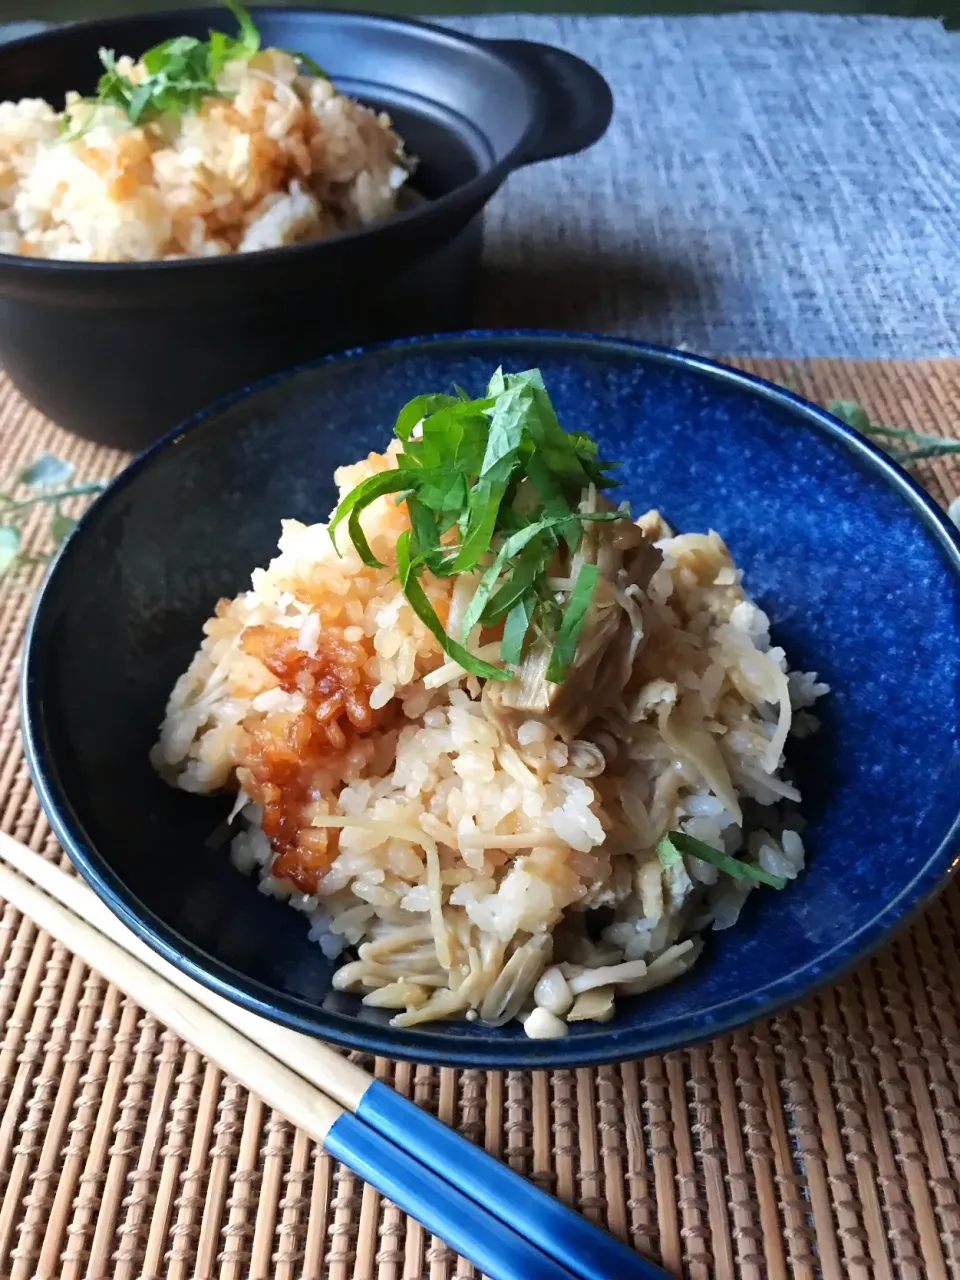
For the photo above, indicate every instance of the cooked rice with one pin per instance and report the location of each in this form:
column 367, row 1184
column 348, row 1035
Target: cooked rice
column 283, row 159
column 461, row 860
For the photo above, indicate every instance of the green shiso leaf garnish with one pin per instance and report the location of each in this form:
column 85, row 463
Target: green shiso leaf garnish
column 675, row 843
column 181, row 72
column 493, row 487
column 417, row 597
column 576, row 610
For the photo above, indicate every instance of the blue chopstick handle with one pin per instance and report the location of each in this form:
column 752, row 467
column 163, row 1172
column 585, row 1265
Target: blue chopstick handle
column 566, row 1236
column 488, row 1243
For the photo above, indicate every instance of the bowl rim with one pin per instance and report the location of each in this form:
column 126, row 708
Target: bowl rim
column 606, row 1043
column 478, row 188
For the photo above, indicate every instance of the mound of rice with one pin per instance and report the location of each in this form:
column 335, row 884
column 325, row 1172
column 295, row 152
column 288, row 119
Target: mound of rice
column 476, row 867
column 281, row 158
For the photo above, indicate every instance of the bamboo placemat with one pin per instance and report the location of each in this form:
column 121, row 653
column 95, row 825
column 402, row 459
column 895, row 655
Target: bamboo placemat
column 824, row 1141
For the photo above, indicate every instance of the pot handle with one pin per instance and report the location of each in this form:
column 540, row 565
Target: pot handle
column 573, row 104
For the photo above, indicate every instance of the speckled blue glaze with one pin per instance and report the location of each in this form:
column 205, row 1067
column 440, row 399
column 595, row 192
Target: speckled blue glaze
column 858, row 570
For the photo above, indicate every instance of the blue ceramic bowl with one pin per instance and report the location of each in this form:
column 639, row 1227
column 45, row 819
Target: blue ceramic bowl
column 858, row 569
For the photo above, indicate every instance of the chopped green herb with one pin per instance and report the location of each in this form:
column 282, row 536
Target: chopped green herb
column 417, row 598
column 668, row 853
column 493, row 486
column 179, row 76
column 516, row 627
column 675, row 843
column 566, row 642
column 510, row 549
column 308, row 64
column 181, row 72
column 358, row 499
column 248, row 42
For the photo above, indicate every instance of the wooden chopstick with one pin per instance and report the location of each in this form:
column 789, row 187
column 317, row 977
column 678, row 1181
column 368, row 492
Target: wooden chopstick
column 569, row 1241
column 496, row 1249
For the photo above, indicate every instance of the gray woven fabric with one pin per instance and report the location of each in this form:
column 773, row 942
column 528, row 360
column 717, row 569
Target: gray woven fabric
column 775, row 184
column 780, row 184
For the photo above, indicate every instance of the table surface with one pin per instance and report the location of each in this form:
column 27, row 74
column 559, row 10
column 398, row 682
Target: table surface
column 774, row 184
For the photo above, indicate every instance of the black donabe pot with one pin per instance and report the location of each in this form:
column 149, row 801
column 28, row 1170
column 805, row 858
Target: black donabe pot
column 120, row 352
